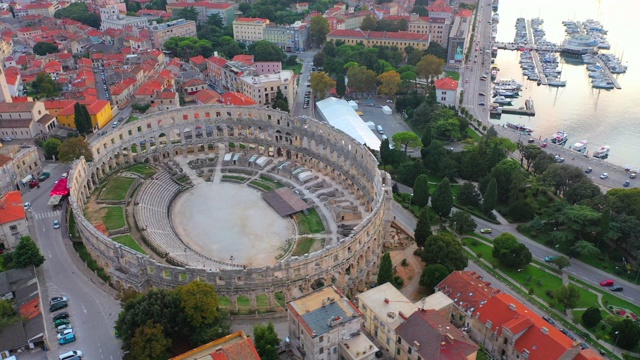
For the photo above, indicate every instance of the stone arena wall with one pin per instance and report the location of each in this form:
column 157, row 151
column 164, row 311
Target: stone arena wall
column 350, row 264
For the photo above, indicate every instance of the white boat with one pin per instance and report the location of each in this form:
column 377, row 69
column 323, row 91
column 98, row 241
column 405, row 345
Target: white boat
column 506, row 93
column 580, row 146
column 502, row 100
column 557, row 82
column 602, row 84
column 602, row 152
column 560, row 137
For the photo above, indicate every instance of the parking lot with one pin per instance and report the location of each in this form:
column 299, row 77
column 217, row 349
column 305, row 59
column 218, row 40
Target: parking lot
column 391, row 124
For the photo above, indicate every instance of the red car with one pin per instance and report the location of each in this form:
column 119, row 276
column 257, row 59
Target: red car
column 608, row 282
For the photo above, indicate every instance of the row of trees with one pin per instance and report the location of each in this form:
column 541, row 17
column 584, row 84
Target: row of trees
column 79, row 11
column 70, row 149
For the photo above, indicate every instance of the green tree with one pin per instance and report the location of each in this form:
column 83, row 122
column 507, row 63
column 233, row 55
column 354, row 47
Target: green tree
column 585, row 248
column 361, row 79
column 187, row 13
column 591, row 317
column 468, row 195
column 626, row 334
column 72, row 148
column 43, row 86
column 432, row 275
column 510, row 252
column 200, row 303
column 385, row 272
column 420, row 10
column 436, row 50
column 50, row 147
column 446, row 250
column 405, row 139
column 423, row 228
column 79, row 11
column 385, row 152
column 43, row 48
column 321, row 83
column 429, row 66
column 318, row 30
column 266, row 341
column 567, row 296
column 341, row 86
column 266, row 51
column 368, row 23
column 280, row 102
column 490, row 197
column 27, row 253
column 82, row 118
column 561, row 262
column 442, row 198
column 421, row 191
column 462, row 222
column 149, row 343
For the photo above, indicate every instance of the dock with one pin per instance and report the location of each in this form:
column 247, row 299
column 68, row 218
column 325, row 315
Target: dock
column 608, row 73
column 529, row 109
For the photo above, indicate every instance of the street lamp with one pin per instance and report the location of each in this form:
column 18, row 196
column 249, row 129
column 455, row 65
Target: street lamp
column 410, row 201
column 616, row 344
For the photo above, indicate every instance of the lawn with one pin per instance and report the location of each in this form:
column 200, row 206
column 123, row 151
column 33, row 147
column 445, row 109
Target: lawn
column 279, row 298
column 130, row 242
column 609, row 298
column 142, row 169
column 243, row 301
column 114, row 218
column 132, row 119
column 116, row 188
column 472, row 134
column 303, row 245
column 309, row 224
column 262, row 301
column 276, row 184
column 297, row 68
column 261, row 185
column 234, row 177
column 453, row 74
column 224, row 302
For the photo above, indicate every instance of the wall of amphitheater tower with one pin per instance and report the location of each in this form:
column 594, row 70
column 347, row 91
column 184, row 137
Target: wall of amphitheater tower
column 349, row 264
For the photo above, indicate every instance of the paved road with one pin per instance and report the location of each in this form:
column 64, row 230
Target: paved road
column 297, row 105
column 93, row 312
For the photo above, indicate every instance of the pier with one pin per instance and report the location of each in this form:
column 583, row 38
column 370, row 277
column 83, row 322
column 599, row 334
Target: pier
column 610, row 76
column 529, row 109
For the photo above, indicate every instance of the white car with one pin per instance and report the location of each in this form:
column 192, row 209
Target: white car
column 70, row 354
column 7, row 138
column 65, row 333
column 27, row 205
column 604, row 176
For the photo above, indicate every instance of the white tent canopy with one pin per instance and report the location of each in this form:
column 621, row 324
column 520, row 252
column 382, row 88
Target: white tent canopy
column 340, row 115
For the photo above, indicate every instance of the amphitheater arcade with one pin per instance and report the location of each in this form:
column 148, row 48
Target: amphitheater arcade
column 350, row 263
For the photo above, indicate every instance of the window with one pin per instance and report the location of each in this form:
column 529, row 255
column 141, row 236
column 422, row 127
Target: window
column 410, row 350
column 321, row 339
column 321, row 351
column 13, row 228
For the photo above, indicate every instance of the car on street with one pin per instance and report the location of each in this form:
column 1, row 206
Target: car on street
column 115, row 124
column 7, row 138
column 604, row 176
column 27, row 205
column 626, row 183
column 67, row 339
column 44, row 176
column 549, row 320
column 559, row 159
column 61, row 322
column 62, row 328
column 481, row 104
column 569, row 335
column 616, row 288
column 486, row 231
column 607, row 282
column 62, row 315
column 550, row 258
column 633, row 175
column 530, row 141
column 64, row 175
column 56, row 224
column 70, row 355
column 65, row 333
column 481, row 94
column 58, row 306
column 57, row 299
column 543, row 145
column 588, row 170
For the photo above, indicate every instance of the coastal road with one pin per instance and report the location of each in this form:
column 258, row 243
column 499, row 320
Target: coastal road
column 92, row 311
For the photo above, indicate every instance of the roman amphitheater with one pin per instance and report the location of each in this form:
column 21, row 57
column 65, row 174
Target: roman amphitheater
column 204, row 214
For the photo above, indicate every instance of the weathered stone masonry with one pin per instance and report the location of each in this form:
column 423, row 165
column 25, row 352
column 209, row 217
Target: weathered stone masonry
column 200, row 130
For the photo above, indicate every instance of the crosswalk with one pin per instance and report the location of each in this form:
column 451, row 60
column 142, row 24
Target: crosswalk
column 46, row 214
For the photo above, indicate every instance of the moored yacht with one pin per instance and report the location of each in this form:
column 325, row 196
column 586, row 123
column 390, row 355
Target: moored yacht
column 602, row 152
column 502, row 100
column 560, row 137
column 580, row 146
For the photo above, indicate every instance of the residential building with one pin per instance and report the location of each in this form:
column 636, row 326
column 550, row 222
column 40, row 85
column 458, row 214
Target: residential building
column 160, row 33
column 193, row 86
column 427, row 335
column 325, row 325
column 290, row 38
column 459, row 39
column 235, row 346
column 226, row 11
column 8, row 177
column 13, row 220
column 468, row 291
column 418, row 24
column 249, row 30
column 64, row 110
column 400, row 39
column 440, row 19
column 438, row 302
column 384, row 308
column 165, row 100
column 446, row 91
column 260, row 67
column 263, row 88
column 6, row 48
column 25, row 162
column 509, row 330
column 25, row 120
column 205, row 97
column 5, row 93
column 225, row 75
column 45, row 9
column 112, row 19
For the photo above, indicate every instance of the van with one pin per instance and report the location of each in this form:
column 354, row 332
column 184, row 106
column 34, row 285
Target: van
column 379, row 128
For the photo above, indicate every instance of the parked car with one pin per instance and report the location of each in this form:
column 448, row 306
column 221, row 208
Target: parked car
column 588, row 170
column 56, row 224
column 115, row 124
column 70, row 354
column 56, row 299
column 550, row 258
column 44, row 176
column 65, row 333
column 62, row 315
column 486, row 231
column 67, row 339
column 543, row 145
column 626, row 183
column 604, row 176
column 549, row 320
column 633, row 175
column 61, row 322
column 7, row 138
column 27, row 205
column 62, row 328
column 33, row 184
column 481, row 104
column 58, row 306
column 616, row 288
column 607, row 282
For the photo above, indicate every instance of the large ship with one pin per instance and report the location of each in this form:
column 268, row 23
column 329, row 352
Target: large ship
column 579, row 44
column 602, row 152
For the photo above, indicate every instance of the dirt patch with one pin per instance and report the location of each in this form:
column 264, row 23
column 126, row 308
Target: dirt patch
column 94, row 212
column 406, row 272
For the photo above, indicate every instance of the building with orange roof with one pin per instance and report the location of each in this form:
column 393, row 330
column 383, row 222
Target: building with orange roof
column 235, row 346
column 121, row 92
column 64, row 110
column 193, row 86
column 166, row 100
column 509, row 330
column 206, row 97
column 236, row 98
column 400, row 39
column 225, row 10
column 14, row 80
column 36, row 9
column 249, row 30
column 13, row 219
column 468, row 291
column 446, row 91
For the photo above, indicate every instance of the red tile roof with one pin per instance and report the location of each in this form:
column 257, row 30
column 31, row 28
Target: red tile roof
column 12, row 208
column 198, row 59
column 218, row 60
column 4, row 159
column 400, row 35
column 170, row 95
column 194, row 82
column 467, row 289
column 465, row 12
column 207, row 96
column 204, row 4
column 247, row 59
column 440, row 6
column 540, row 339
column 253, row 20
column 238, row 99
column 446, row 84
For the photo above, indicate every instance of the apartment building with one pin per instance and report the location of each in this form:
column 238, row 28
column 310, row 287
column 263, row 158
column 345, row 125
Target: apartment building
column 160, row 33
column 226, row 11
column 400, row 39
column 25, row 120
column 112, row 19
column 13, row 221
column 45, row 9
column 21, row 162
column 446, row 91
column 291, row 38
column 459, row 39
column 263, row 88
column 249, row 30
column 325, row 325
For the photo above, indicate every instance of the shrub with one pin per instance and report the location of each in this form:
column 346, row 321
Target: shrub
column 475, row 242
column 404, row 263
column 531, row 292
column 479, row 255
column 397, row 282
column 549, row 293
column 417, row 252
